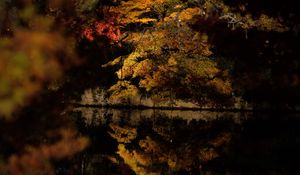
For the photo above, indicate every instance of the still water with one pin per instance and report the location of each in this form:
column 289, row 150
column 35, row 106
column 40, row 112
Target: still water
column 169, row 142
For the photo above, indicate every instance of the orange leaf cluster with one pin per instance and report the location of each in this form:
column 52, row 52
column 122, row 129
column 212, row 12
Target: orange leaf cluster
column 109, row 29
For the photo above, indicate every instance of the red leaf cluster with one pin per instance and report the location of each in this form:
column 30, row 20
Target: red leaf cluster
column 109, row 29
column 88, row 34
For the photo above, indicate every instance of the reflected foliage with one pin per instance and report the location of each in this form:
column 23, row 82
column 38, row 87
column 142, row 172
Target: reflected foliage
column 161, row 144
column 165, row 153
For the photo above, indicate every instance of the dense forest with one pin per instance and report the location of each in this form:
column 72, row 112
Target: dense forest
column 215, row 54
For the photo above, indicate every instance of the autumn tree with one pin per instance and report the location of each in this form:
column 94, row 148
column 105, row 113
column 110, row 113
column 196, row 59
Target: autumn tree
column 169, row 58
column 195, row 50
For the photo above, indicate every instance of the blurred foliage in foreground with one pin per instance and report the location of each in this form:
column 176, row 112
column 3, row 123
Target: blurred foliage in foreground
column 37, row 160
column 34, row 51
column 36, row 48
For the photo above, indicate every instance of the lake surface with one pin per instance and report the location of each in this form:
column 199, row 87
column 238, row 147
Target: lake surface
column 185, row 142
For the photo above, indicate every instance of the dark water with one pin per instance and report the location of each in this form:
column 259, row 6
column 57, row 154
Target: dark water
column 186, row 142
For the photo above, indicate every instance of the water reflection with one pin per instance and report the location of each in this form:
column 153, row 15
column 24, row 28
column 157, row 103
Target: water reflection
column 96, row 116
column 185, row 142
column 155, row 141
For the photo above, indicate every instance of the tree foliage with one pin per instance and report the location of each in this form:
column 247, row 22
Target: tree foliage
column 179, row 47
column 169, row 56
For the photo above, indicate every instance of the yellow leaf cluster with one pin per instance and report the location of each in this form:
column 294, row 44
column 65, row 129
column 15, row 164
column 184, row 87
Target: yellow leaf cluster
column 221, row 86
column 149, row 41
column 207, row 154
column 235, row 19
column 184, row 15
column 123, row 90
column 132, row 10
column 266, row 23
column 143, row 68
column 136, row 161
column 155, row 79
column 221, row 139
column 128, row 65
column 149, row 145
column 201, row 67
column 113, row 62
column 123, row 135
